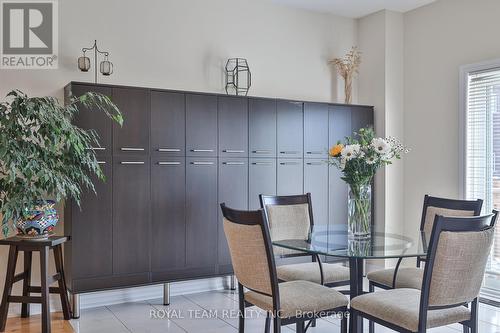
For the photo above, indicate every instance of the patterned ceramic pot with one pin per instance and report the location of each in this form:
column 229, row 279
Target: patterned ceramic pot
column 39, row 221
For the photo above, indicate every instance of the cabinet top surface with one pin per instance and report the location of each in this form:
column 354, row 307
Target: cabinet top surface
column 18, row 241
column 209, row 93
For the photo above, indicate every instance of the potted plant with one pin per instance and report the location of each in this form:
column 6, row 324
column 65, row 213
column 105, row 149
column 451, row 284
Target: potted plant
column 359, row 158
column 43, row 154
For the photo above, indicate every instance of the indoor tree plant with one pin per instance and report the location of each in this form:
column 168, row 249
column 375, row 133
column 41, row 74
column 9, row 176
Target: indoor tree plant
column 358, row 158
column 43, row 154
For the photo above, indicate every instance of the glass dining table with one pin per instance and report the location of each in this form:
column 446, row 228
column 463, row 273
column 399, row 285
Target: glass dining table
column 334, row 241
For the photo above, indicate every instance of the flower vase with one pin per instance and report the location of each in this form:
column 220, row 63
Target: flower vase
column 359, row 216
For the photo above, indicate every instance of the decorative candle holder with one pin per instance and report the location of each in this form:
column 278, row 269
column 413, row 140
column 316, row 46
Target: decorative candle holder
column 238, row 76
column 105, row 67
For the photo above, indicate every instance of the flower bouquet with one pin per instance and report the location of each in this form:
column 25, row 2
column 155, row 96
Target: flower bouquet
column 359, row 158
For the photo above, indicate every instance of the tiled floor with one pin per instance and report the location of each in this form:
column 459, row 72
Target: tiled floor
column 213, row 312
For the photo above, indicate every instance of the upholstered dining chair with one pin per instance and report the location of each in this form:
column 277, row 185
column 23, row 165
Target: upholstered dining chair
column 291, row 217
column 457, row 255
column 252, row 257
column 411, row 277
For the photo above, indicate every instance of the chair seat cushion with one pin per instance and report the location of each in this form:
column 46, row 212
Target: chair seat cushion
column 299, row 298
column 309, row 271
column 407, row 277
column 401, row 307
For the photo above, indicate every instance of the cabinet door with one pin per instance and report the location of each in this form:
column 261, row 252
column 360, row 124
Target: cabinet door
column 201, row 125
column 340, row 127
column 316, row 183
column 92, row 228
column 262, row 127
column 261, row 180
column 290, row 178
column 168, row 225
column 133, row 136
column 131, row 214
column 95, row 119
column 233, row 126
column 233, row 190
column 168, row 123
column 315, row 130
column 361, row 116
column 290, row 129
column 201, row 214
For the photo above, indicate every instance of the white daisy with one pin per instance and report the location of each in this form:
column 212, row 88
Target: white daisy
column 371, row 160
column 381, row 146
column 350, row 151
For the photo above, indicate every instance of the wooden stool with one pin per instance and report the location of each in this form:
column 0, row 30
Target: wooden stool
column 16, row 245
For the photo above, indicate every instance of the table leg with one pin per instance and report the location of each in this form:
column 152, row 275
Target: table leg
column 356, row 288
column 44, row 277
column 25, row 308
column 9, row 281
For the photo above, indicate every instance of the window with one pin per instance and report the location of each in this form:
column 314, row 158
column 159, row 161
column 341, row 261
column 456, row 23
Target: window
column 480, row 139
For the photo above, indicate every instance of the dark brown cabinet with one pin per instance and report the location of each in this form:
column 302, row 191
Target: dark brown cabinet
column 233, row 190
column 233, row 126
column 201, row 125
column 201, row 214
column 262, row 127
column 131, row 215
column 168, row 123
column 133, row 137
column 290, row 131
column 315, row 130
column 94, row 119
column 157, row 217
column 261, row 180
column 168, row 216
column 290, row 176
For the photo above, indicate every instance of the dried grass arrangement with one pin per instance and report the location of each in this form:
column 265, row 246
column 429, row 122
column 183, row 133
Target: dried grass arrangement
column 347, row 67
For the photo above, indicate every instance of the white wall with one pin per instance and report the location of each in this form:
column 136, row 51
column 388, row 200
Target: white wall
column 438, row 39
column 183, row 44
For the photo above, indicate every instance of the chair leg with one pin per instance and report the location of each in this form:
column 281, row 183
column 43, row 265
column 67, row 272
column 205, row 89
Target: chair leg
column 343, row 324
column 44, row 274
column 313, row 322
column 241, row 298
column 371, row 324
column 300, row 327
column 277, row 325
column 268, row 323
column 9, row 281
column 63, row 291
column 25, row 307
column 474, row 316
column 465, row 329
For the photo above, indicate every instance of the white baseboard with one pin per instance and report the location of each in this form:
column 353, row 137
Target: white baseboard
column 137, row 294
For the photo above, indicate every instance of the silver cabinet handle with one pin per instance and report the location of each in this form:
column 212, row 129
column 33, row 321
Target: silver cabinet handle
column 314, row 163
column 262, row 163
column 132, row 162
column 169, row 163
column 202, row 163
column 289, row 163
column 168, row 150
column 202, row 150
column 101, row 162
column 131, row 149
column 233, row 163
column 314, row 152
column 232, row 151
column 289, row 152
column 261, row 151
column 95, row 148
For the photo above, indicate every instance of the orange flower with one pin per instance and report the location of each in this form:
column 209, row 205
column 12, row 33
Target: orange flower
column 335, row 150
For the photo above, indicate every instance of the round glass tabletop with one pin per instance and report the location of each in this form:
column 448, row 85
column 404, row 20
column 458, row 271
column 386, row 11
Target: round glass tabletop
column 334, row 241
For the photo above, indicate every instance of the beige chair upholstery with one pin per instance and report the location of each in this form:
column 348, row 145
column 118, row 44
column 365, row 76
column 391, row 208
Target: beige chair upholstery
column 459, row 266
column 401, row 307
column 288, row 222
column 407, row 277
column 299, row 298
column 309, row 271
column 248, row 255
column 432, row 211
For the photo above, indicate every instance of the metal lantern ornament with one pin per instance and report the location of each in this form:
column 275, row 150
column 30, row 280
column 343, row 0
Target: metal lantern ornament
column 105, row 67
column 238, row 76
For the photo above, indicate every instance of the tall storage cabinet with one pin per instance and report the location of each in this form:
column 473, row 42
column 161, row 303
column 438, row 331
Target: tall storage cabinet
column 157, row 218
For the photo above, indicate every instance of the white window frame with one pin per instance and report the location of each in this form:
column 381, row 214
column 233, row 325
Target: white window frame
column 464, row 71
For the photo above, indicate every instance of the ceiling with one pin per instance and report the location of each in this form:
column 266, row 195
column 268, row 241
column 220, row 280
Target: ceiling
column 354, row 8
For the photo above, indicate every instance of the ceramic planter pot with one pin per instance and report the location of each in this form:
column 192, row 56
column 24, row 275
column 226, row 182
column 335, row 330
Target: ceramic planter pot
column 38, row 221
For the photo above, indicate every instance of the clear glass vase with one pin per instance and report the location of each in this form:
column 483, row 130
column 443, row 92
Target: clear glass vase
column 359, row 216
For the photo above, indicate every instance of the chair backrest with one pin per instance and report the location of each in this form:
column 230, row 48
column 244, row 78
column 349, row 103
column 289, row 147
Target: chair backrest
column 289, row 217
column 251, row 251
column 456, row 261
column 447, row 207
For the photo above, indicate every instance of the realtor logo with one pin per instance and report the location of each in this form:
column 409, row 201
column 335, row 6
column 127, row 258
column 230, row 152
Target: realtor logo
column 29, row 34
